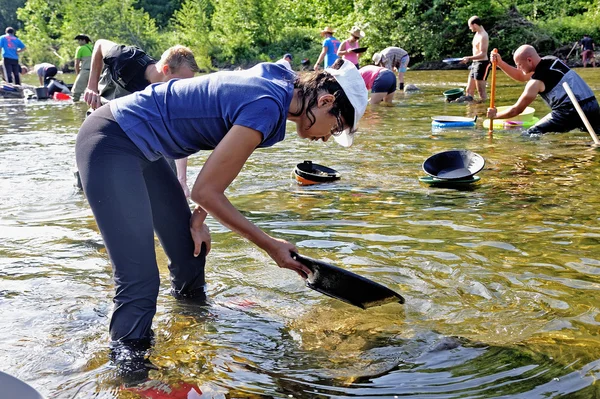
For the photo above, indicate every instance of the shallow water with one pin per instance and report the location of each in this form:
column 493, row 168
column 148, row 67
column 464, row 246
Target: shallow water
column 501, row 278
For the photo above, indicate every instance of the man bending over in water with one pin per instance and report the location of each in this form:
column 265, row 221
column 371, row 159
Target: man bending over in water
column 545, row 76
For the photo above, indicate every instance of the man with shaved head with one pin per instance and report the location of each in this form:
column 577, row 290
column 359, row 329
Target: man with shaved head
column 545, row 76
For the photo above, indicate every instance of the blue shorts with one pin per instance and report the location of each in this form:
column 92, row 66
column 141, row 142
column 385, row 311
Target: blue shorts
column 403, row 64
column 385, row 82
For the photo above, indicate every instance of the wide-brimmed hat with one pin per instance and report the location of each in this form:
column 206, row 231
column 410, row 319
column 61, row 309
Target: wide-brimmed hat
column 355, row 89
column 378, row 58
column 81, row 36
column 355, row 31
column 327, row 30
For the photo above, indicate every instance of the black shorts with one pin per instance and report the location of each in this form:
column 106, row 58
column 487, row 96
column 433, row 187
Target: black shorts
column 49, row 73
column 479, row 70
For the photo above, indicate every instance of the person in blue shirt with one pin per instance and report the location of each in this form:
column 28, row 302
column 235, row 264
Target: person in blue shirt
column 121, row 150
column 330, row 48
column 11, row 47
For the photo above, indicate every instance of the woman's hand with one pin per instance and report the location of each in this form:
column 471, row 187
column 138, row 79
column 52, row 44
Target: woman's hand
column 280, row 252
column 199, row 230
column 491, row 113
column 92, row 98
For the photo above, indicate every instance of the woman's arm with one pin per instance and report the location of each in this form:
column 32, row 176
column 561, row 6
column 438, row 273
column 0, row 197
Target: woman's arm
column 101, row 48
column 341, row 50
column 181, row 165
column 219, row 170
column 509, row 70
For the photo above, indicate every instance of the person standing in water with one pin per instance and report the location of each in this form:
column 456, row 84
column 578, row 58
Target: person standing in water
column 346, row 48
column 121, row 150
column 393, row 58
column 382, row 83
column 45, row 71
column 330, row 48
column 83, row 63
column 11, row 47
column 587, row 51
column 118, row 70
column 479, row 69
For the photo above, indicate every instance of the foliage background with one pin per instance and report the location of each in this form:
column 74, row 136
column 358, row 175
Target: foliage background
column 231, row 33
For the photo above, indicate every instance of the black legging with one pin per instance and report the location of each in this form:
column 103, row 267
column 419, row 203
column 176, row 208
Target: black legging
column 12, row 70
column 132, row 198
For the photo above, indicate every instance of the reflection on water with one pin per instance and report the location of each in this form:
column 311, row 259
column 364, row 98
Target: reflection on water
column 501, row 280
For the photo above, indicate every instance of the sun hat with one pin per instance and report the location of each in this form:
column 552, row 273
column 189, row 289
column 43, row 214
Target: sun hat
column 355, row 31
column 327, row 30
column 377, row 58
column 355, row 89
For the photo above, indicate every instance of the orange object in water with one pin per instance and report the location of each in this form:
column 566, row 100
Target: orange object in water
column 308, row 173
column 61, row 96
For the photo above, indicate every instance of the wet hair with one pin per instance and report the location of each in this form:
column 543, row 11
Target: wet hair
column 10, row 30
column 177, row 56
column 311, row 85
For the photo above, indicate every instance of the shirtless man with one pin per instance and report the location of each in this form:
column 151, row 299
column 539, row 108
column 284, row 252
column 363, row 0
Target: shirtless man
column 479, row 69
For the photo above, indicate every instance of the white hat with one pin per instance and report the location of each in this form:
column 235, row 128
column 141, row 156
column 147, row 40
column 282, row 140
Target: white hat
column 355, row 89
column 355, row 31
column 377, row 58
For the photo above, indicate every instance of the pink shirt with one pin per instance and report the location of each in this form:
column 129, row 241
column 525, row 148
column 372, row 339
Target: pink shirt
column 369, row 73
column 352, row 57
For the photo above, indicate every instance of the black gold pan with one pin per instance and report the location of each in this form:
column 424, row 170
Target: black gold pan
column 346, row 286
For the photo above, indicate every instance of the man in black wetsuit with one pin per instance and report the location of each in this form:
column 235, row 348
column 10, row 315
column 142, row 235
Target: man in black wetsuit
column 545, row 76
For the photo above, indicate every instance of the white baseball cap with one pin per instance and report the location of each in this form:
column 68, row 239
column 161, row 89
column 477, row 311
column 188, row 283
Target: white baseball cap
column 355, row 89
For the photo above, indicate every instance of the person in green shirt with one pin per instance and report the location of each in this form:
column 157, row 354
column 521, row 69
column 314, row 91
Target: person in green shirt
column 83, row 61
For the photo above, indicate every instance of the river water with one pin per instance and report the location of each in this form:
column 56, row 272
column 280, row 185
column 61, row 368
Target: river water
column 501, row 278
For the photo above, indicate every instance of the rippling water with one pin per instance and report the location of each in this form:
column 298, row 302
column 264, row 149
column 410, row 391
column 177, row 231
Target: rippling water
column 501, row 279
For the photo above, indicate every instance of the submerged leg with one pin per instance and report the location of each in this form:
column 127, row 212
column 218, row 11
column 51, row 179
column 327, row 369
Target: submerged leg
column 171, row 215
column 111, row 169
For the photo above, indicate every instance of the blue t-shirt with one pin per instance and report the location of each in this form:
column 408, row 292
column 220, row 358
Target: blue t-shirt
column 181, row 117
column 332, row 44
column 10, row 44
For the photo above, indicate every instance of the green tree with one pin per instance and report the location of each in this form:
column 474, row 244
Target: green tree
column 8, row 14
column 52, row 25
column 41, row 31
column 191, row 26
column 159, row 10
column 244, row 28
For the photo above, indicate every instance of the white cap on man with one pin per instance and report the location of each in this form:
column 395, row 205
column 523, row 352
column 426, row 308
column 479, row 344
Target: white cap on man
column 355, row 89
